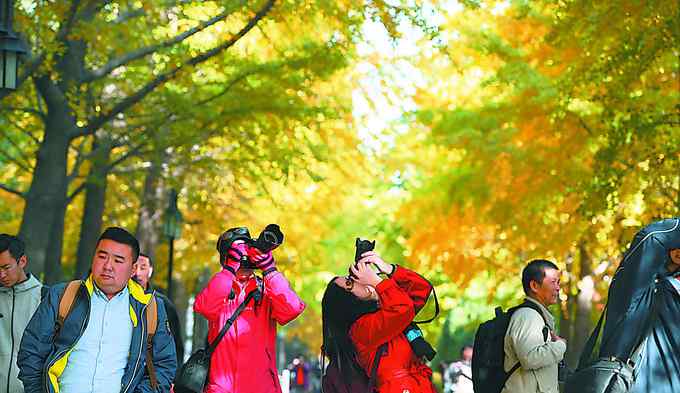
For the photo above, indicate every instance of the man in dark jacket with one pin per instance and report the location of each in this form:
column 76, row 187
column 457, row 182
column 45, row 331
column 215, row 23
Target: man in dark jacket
column 644, row 308
column 19, row 298
column 142, row 274
column 102, row 345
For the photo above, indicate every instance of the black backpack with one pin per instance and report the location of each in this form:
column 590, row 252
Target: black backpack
column 488, row 374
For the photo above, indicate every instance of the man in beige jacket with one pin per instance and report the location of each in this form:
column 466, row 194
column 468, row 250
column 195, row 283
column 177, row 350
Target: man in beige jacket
column 527, row 342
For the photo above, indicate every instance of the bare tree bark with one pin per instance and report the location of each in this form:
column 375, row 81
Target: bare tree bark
column 95, row 203
column 150, row 217
column 584, row 305
column 46, row 196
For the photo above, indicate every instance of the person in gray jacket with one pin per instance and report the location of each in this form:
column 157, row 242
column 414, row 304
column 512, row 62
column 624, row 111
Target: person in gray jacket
column 530, row 338
column 19, row 298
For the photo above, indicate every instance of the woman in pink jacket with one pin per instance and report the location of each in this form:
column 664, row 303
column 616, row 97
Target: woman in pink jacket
column 245, row 359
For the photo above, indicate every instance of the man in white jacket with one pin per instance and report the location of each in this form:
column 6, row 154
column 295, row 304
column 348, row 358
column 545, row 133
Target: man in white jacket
column 530, row 339
column 19, row 298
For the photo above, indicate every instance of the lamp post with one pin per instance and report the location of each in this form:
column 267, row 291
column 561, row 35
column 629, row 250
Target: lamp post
column 172, row 229
column 10, row 47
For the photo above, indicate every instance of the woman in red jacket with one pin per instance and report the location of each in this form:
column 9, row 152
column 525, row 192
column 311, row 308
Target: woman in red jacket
column 363, row 312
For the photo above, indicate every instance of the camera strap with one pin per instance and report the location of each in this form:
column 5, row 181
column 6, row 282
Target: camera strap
column 213, row 345
column 436, row 304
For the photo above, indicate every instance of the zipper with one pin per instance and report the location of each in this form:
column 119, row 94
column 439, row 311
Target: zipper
column 142, row 341
column 63, row 352
column 11, row 333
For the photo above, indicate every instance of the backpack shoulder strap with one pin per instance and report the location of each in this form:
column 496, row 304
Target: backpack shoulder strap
column 535, row 307
column 66, row 302
column 151, row 326
column 152, row 316
column 373, row 376
column 546, row 330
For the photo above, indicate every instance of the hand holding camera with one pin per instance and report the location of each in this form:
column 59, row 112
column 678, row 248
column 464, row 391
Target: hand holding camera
column 371, row 257
column 364, row 254
column 261, row 260
column 237, row 249
column 363, row 274
column 234, row 255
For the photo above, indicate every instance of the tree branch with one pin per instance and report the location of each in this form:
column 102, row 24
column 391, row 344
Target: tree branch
column 12, row 191
column 143, row 52
column 69, row 21
column 16, row 162
column 131, row 100
column 34, row 111
column 16, row 146
column 75, row 192
column 80, row 158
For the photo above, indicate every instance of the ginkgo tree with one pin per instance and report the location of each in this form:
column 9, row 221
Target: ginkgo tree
column 103, row 76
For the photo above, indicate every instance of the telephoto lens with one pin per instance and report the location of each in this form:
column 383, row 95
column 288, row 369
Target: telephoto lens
column 270, row 238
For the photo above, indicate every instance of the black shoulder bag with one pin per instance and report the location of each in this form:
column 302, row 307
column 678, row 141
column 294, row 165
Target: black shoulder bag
column 608, row 374
column 192, row 376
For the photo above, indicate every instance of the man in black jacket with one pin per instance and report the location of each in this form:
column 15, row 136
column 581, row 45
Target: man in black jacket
column 142, row 274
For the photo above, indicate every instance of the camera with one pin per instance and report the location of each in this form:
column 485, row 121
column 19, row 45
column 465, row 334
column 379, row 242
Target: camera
column 362, row 246
column 270, row 238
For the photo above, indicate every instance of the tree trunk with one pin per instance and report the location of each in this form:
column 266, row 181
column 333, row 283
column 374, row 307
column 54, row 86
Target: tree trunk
column 199, row 331
column 584, row 305
column 93, row 211
column 55, row 246
column 567, row 315
column 43, row 216
column 149, row 222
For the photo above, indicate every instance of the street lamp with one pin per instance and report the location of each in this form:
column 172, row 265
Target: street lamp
column 172, row 229
column 10, row 47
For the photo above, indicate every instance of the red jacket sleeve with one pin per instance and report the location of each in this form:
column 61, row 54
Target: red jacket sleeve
column 286, row 304
column 210, row 300
column 417, row 287
column 395, row 313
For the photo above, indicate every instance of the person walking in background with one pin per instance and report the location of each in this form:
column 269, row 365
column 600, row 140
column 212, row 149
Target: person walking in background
column 531, row 345
column 300, row 374
column 103, row 344
column 142, row 273
column 458, row 375
column 19, row 298
column 245, row 359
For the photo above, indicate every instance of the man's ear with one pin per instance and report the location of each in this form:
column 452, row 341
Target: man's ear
column 534, row 286
column 23, row 261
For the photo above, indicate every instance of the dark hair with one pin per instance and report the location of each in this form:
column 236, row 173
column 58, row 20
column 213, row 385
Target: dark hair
column 464, row 347
column 141, row 254
column 12, row 243
column 120, row 235
column 339, row 310
column 535, row 271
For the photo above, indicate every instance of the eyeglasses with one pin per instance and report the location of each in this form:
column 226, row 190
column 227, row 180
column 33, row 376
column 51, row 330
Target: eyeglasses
column 349, row 283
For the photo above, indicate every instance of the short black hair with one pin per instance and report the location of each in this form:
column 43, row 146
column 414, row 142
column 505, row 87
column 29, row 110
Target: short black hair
column 535, row 271
column 141, row 254
column 120, row 235
column 16, row 246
